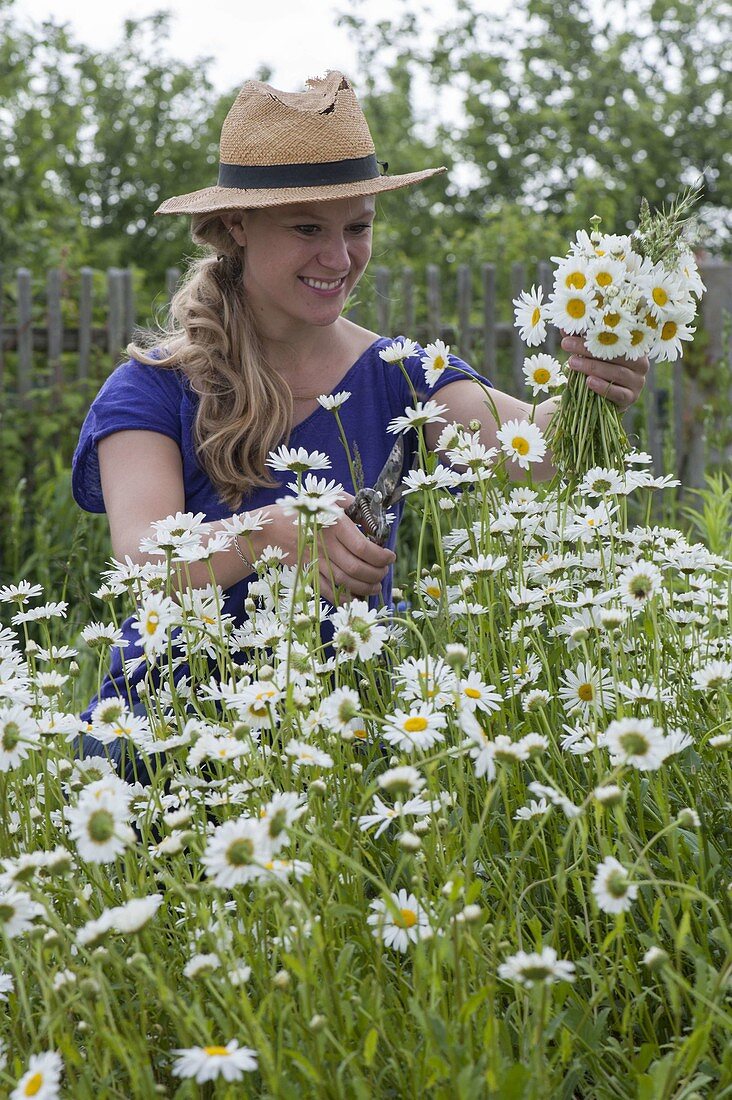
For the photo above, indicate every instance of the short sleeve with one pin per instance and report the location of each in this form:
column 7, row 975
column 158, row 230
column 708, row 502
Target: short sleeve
column 135, row 397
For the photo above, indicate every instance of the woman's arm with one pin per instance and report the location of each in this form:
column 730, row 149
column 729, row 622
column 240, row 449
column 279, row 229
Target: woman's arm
column 142, row 481
column 620, row 381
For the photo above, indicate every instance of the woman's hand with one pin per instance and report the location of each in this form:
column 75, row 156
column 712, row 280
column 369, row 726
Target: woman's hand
column 620, row 380
column 347, row 560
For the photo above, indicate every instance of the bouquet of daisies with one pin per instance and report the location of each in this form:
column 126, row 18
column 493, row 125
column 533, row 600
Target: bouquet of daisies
column 627, row 296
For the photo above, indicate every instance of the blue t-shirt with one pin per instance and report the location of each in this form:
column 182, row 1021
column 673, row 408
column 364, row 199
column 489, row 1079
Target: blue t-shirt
column 137, row 397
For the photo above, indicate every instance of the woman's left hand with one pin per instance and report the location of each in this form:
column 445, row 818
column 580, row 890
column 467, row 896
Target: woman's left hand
column 620, row 380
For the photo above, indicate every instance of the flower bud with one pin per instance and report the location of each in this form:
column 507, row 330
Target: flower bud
column 282, row 979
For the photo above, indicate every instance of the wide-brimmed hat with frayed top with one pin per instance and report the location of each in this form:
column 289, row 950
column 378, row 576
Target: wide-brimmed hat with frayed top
column 284, row 147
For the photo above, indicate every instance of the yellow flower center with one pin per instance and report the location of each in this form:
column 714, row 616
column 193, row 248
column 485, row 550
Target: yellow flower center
column 541, row 375
column 520, row 444
column 438, row 363
column 407, row 918
column 33, row 1085
column 669, row 330
column 636, row 337
column 651, row 321
column 586, row 693
column 472, row 693
column 215, row 1052
column 360, row 733
column 659, row 295
column 575, row 281
column 536, row 316
column 433, row 590
column 604, row 278
column 415, row 725
column 151, row 622
column 608, row 337
column 612, row 319
column 576, row 307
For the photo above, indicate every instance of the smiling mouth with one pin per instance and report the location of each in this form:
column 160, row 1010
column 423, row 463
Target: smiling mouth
column 323, row 284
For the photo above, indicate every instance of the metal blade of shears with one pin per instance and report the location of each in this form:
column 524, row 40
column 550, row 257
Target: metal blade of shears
column 388, row 483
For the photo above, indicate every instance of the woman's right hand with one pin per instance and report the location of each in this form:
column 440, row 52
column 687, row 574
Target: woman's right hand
column 349, row 564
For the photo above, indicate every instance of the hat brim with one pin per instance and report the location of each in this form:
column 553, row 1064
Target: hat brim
column 212, row 199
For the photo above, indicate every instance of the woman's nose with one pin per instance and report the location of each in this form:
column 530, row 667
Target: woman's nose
column 334, row 253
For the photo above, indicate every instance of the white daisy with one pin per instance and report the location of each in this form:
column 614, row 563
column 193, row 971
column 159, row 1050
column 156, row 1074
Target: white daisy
column 585, row 690
column 400, row 923
column 17, row 912
column 530, row 969
column 155, row 616
column 638, row 583
column 297, row 460
column 612, row 889
column 399, row 350
column 42, row 1079
column 522, row 442
column 531, row 316
column 418, row 728
column 305, row 755
column 635, row 741
column 435, row 361
column 99, row 821
column 542, row 373
column 236, row 850
column 604, row 342
column 424, row 412
column 475, row 694
column 207, row 1063
column 669, row 336
column 713, row 676
column 19, row 734
column 533, row 809
column 572, row 310
column 333, row 400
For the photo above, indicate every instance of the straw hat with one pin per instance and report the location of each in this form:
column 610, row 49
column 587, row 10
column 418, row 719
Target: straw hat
column 283, row 147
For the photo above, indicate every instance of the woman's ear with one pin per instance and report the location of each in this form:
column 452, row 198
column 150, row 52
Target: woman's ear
column 235, row 227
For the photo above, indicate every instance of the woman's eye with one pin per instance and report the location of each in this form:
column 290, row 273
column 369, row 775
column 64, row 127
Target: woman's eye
column 308, row 230
column 364, row 228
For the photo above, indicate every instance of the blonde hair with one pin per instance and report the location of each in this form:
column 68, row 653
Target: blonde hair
column 245, row 407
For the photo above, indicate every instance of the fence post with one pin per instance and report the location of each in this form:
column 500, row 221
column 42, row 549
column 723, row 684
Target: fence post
column 55, row 328
column 434, row 306
column 382, row 301
column 408, row 299
column 86, row 289
column 2, row 338
column 172, row 275
column 546, row 282
column 655, row 440
column 128, row 306
column 464, row 301
column 115, row 320
column 25, row 334
column 518, row 348
column 488, row 279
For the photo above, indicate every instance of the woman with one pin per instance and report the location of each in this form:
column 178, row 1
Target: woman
column 258, row 335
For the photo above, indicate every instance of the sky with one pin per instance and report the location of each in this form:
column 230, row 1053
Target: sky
column 296, row 38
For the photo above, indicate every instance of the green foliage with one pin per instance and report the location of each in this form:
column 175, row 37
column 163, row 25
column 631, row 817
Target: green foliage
column 92, row 141
column 569, row 110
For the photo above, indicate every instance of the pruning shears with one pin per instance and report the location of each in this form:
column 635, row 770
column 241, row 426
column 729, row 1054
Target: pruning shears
column 370, row 506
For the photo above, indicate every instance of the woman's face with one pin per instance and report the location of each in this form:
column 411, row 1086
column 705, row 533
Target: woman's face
column 303, row 260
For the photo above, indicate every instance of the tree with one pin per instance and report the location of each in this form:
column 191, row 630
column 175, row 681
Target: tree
column 92, row 141
column 575, row 108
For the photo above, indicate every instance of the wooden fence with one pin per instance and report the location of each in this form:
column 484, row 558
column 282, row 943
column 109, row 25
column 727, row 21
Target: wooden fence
column 458, row 305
